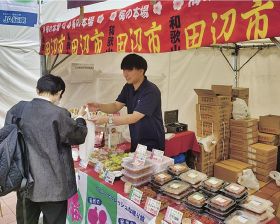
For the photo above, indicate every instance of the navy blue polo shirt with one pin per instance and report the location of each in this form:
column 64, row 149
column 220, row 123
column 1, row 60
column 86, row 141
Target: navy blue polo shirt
column 146, row 99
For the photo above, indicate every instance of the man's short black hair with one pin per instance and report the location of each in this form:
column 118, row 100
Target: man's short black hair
column 132, row 61
column 51, row 84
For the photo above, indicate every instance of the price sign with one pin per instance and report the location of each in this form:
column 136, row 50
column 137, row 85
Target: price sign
column 157, row 155
column 152, row 206
column 109, row 177
column 173, row 216
column 140, row 155
column 136, row 195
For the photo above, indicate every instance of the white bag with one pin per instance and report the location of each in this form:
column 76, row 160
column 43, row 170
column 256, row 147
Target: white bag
column 209, row 142
column 249, row 180
column 275, row 176
column 240, row 109
column 87, row 147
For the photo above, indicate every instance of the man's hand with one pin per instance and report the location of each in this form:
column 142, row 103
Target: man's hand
column 93, row 106
column 99, row 120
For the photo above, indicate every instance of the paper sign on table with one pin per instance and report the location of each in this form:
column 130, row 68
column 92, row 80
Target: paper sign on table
column 109, row 177
column 140, row 155
column 173, row 216
column 157, row 155
column 136, row 195
column 152, row 206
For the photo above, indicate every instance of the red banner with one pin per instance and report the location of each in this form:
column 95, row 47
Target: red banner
column 163, row 27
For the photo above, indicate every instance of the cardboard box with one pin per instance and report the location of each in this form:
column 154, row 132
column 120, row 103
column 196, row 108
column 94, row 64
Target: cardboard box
column 222, row 149
column 244, row 129
column 263, row 178
column 240, row 92
column 218, row 133
column 261, row 171
column 211, row 109
column 233, row 147
column 204, row 128
column 244, row 123
column 237, row 164
column 222, row 90
column 252, row 156
column 215, row 115
column 266, row 166
column 229, row 170
column 238, row 135
column 207, row 96
column 244, row 142
column 270, row 124
column 269, row 139
column 226, row 172
column 223, row 144
column 263, row 149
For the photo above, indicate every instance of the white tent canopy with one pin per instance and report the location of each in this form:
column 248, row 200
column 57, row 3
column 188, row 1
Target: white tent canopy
column 176, row 74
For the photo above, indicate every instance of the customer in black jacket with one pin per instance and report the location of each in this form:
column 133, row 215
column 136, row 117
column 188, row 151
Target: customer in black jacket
column 49, row 132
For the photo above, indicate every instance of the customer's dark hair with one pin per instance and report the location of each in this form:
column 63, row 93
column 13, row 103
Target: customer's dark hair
column 51, row 84
column 132, row 61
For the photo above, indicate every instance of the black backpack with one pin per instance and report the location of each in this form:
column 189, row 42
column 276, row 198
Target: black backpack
column 14, row 165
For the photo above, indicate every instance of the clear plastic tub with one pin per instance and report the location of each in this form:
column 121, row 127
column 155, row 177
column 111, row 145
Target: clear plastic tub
column 177, row 169
column 236, row 197
column 219, row 214
column 193, row 177
column 136, row 178
column 136, row 169
column 175, row 187
column 221, row 203
column 136, row 184
column 213, row 184
column 241, row 217
column 178, row 196
column 197, row 199
column 256, row 204
column 235, row 189
column 162, row 178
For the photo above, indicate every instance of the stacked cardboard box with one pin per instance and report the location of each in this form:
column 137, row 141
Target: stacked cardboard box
column 270, row 127
column 213, row 112
column 269, row 139
column 242, row 93
column 205, row 162
column 262, row 157
column 243, row 133
column 229, row 170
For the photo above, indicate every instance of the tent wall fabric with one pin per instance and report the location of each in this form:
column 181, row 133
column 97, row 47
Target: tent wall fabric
column 177, row 74
column 19, row 48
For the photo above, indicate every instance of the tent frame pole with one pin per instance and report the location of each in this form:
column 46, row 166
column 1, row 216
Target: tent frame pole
column 235, row 54
column 235, row 65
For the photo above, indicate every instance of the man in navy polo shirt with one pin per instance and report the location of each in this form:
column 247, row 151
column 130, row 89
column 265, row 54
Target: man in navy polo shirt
column 143, row 101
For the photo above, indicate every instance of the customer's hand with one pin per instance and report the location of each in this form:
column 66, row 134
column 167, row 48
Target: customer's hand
column 93, row 106
column 82, row 111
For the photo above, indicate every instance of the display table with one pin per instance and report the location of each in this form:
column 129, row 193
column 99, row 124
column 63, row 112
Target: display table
column 103, row 203
column 181, row 143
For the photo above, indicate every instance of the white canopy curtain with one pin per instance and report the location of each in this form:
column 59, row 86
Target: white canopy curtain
column 177, row 74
